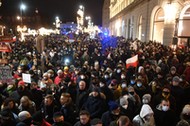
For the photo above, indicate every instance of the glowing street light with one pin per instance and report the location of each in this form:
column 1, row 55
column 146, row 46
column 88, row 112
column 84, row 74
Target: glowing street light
column 22, row 8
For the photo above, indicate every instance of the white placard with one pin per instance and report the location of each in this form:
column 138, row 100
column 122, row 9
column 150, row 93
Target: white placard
column 26, row 78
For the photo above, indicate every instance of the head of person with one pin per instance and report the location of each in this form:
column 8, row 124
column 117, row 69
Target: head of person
column 59, row 73
column 166, row 92
column 95, row 91
column 146, row 113
column 114, row 108
column 165, row 105
column 65, row 98
column 185, row 114
column 96, row 122
column 82, row 85
column 45, row 76
column 84, row 117
column 123, row 102
column 139, row 83
column 25, row 116
column 9, row 102
column 25, row 101
column 175, row 81
column 141, row 69
column 172, row 70
column 50, row 73
column 113, row 85
column 58, row 118
column 123, row 121
column 21, row 86
column 33, row 85
column 123, row 84
column 146, row 99
column 48, row 100
column 131, row 91
column 132, row 80
column 66, row 69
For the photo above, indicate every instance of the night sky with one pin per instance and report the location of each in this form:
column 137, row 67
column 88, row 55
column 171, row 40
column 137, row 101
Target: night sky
column 49, row 9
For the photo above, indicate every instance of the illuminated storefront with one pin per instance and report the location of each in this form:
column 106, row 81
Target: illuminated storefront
column 156, row 20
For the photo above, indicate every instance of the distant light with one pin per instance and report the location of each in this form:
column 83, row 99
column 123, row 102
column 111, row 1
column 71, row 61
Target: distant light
column 81, row 6
column 22, row 6
column 18, row 17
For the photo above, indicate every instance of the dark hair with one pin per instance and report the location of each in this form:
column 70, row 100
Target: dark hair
column 123, row 120
column 50, row 97
column 84, row 112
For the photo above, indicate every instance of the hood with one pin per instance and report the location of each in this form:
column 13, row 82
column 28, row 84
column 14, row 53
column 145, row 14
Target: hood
column 145, row 110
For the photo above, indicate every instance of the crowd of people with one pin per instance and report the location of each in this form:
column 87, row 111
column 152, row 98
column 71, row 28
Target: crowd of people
column 86, row 83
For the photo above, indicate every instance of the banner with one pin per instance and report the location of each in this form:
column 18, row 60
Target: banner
column 5, row 48
column 6, row 74
column 133, row 61
column 7, row 38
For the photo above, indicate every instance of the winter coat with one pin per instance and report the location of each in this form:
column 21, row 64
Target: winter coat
column 164, row 118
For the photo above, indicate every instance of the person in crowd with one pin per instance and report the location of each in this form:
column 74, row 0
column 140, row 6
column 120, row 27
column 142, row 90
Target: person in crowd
column 134, row 97
column 140, row 88
column 112, row 114
column 113, row 86
column 93, row 103
column 164, row 116
column 27, row 105
column 82, row 94
column 187, row 72
column 48, row 108
column 58, row 119
column 178, row 92
column 68, row 109
column 11, row 105
column 20, row 91
column 25, row 119
column 59, row 77
column 165, row 94
column 7, row 117
column 125, row 108
column 38, row 119
column 84, row 117
column 36, row 95
column 145, row 117
column 185, row 114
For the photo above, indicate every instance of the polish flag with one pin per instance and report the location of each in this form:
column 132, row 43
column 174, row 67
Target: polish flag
column 133, row 61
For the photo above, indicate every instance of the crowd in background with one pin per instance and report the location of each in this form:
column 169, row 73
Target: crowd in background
column 86, row 83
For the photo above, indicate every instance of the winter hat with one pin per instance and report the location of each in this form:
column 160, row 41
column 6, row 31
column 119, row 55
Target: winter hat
column 145, row 110
column 95, row 121
column 24, row 115
column 147, row 96
column 21, row 83
column 114, row 82
column 176, row 79
column 113, row 105
column 186, row 109
column 95, row 89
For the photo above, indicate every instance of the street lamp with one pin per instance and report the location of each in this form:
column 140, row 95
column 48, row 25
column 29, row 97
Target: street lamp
column 22, row 8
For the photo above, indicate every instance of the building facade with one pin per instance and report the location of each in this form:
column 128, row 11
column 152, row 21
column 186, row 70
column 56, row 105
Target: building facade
column 157, row 20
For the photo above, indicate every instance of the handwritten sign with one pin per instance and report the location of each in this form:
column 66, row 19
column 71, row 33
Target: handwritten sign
column 26, row 78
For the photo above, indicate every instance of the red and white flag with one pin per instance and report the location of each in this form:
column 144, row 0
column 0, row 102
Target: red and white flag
column 133, row 61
